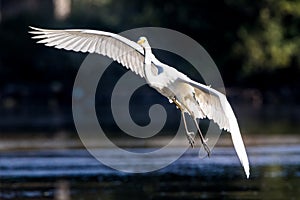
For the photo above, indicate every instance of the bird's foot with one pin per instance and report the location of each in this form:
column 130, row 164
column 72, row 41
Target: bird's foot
column 205, row 146
column 191, row 138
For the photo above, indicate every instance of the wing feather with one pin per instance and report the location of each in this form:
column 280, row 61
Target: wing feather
column 69, row 44
column 215, row 106
column 120, row 49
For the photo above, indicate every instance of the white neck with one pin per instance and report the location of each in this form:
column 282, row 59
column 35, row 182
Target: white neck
column 150, row 78
column 148, row 55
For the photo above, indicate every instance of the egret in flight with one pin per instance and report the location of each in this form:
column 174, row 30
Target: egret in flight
column 196, row 99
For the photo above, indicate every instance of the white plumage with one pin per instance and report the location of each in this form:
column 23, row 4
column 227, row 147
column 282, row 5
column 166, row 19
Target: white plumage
column 196, row 99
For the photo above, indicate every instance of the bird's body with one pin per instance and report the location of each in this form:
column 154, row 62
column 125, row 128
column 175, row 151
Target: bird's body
column 196, row 99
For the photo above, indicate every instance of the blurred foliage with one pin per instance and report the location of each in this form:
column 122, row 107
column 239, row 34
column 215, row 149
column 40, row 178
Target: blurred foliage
column 271, row 40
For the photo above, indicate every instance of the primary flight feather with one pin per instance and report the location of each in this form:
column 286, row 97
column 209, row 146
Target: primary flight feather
column 191, row 97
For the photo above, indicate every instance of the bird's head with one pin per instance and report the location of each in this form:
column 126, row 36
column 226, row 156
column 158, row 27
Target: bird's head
column 143, row 42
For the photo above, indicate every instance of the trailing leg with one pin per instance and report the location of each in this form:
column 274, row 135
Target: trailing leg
column 190, row 135
column 203, row 140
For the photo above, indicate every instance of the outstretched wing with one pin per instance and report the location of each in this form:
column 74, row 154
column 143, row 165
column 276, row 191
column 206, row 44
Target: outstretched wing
column 216, row 107
column 120, row 49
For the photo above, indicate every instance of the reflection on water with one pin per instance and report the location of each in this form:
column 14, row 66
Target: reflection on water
column 74, row 174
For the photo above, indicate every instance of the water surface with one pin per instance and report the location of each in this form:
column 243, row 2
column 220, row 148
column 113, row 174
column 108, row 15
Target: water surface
column 75, row 174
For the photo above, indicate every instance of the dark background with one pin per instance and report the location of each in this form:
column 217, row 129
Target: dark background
column 255, row 45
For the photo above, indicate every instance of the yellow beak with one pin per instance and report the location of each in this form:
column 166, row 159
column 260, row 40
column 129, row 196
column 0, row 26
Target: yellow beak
column 141, row 41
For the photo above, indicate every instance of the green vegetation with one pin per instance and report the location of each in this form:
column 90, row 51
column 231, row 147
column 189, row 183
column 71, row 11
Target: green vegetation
column 272, row 39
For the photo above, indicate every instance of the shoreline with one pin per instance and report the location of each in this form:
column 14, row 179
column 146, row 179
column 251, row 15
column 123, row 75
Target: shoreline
column 64, row 141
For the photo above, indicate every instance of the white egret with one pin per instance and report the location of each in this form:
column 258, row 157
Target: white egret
column 196, row 99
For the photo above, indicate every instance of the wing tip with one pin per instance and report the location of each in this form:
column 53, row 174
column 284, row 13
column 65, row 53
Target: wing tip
column 247, row 171
column 35, row 28
column 32, row 27
column 35, row 31
column 245, row 164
